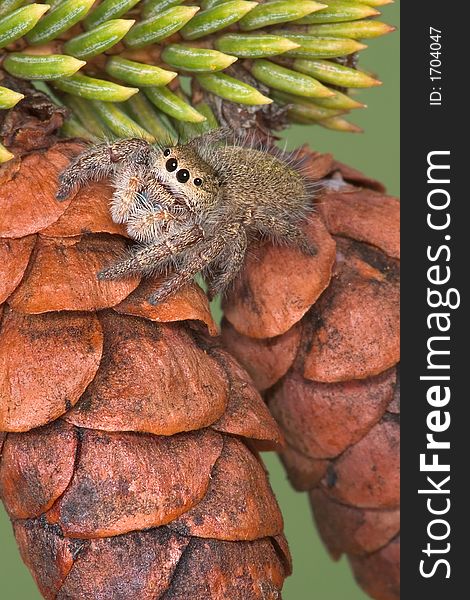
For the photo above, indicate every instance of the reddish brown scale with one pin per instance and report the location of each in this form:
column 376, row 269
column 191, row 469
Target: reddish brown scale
column 128, row 436
column 320, row 337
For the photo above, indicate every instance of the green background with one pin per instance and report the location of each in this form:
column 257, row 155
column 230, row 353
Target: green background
column 376, row 152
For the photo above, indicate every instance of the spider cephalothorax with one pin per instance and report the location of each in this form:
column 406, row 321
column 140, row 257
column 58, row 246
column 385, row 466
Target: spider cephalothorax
column 195, row 207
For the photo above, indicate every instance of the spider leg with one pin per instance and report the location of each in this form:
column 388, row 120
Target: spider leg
column 147, row 259
column 289, row 233
column 143, row 204
column 99, row 161
column 230, row 263
column 199, row 258
column 128, row 183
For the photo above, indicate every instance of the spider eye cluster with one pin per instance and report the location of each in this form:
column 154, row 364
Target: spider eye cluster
column 182, row 175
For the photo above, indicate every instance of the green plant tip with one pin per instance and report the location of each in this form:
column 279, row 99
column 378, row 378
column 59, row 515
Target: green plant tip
column 171, row 104
column 356, row 29
column 8, row 6
column 338, row 11
column 138, row 74
column 145, row 114
column 377, row 2
column 216, row 18
column 201, row 60
column 31, row 66
column 206, row 110
column 232, row 89
column 253, row 45
column 73, row 128
column 119, row 122
column 286, row 80
column 5, row 155
column 106, row 10
column 311, row 46
column 278, row 11
column 58, row 20
column 338, row 101
column 312, row 112
column 94, row 89
column 16, row 24
column 340, row 124
column 335, row 74
column 86, row 114
column 210, row 3
column 159, row 27
column 8, row 98
column 99, row 40
column 153, row 7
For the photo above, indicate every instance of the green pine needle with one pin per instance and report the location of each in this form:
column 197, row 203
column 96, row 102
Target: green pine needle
column 117, row 64
column 5, row 154
column 101, row 38
column 15, row 25
column 49, row 67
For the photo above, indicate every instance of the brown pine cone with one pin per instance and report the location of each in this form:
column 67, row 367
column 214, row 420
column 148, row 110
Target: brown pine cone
column 129, row 463
column 320, row 337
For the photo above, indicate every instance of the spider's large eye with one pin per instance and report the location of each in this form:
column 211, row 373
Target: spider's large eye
column 171, row 164
column 183, row 175
column 198, row 181
column 166, row 152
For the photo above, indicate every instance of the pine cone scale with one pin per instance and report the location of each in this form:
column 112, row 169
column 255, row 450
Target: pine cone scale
column 260, row 518
column 304, row 471
column 146, row 560
column 351, row 530
column 246, row 414
column 366, row 475
column 37, row 173
column 263, row 304
column 51, row 358
column 48, row 555
column 118, row 485
column 379, row 573
column 63, row 275
column 256, row 567
column 192, row 377
column 355, row 324
column 36, row 469
column 14, row 258
column 297, row 402
column 189, row 305
column 163, row 438
column 365, row 216
column 335, row 392
column 88, row 213
column 267, row 360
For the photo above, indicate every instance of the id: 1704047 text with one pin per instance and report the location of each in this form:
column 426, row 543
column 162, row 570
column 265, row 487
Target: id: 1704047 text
column 435, row 66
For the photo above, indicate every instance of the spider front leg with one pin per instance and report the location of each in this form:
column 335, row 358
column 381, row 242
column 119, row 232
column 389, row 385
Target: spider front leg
column 197, row 259
column 149, row 259
column 98, row 162
column 229, row 265
column 128, row 183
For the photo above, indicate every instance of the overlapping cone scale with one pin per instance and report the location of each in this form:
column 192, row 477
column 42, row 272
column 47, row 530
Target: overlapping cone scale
column 324, row 350
column 129, row 438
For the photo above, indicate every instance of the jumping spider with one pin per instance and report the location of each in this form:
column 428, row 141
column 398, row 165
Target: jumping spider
column 194, row 207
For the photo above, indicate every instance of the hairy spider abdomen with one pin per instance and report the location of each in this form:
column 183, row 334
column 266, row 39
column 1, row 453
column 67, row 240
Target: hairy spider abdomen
column 261, row 186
